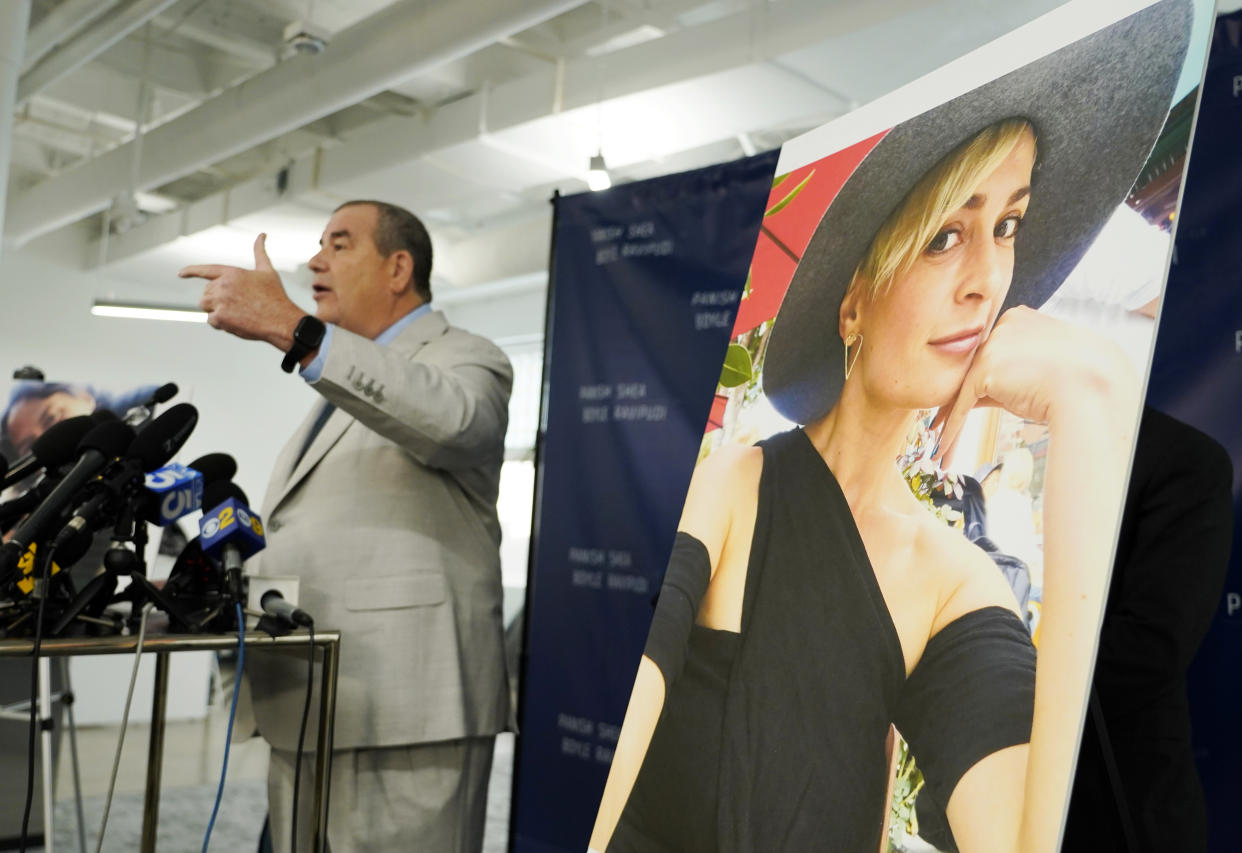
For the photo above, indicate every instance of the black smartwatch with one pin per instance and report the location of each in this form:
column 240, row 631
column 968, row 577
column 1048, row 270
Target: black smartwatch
column 307, row 336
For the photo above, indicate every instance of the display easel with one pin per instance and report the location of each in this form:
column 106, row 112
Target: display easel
column 20, row 712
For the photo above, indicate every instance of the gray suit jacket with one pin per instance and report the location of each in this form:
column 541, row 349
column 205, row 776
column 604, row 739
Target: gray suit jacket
column 389, row 520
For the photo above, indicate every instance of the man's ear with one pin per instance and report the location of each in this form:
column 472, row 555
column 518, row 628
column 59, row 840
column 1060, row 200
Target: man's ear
column 401, row 271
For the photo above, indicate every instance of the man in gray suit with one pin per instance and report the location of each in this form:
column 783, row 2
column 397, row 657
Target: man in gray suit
column 383, row 503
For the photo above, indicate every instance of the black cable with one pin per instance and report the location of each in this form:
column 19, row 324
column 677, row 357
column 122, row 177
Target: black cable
column 297, row 767
column 32, row 735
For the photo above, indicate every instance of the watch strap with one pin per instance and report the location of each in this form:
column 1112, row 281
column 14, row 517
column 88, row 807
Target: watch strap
column 307, row 335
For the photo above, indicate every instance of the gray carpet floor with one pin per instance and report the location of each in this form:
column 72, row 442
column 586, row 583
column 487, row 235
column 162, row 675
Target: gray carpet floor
column 185, row 811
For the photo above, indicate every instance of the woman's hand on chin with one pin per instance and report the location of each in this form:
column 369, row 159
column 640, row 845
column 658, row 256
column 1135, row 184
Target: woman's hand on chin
column 1045, row 370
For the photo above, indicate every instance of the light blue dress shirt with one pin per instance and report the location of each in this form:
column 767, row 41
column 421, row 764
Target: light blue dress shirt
column 314, row 370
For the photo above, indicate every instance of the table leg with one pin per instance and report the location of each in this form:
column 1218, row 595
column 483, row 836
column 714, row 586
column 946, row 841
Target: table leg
column 323, row 754
column 155, row 754
column 47, row 716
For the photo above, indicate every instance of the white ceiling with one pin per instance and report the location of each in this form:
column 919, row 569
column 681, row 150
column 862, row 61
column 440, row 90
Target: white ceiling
column 469, row 112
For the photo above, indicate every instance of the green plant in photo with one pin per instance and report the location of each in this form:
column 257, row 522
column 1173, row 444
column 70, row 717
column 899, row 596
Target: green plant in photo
column 790, row 196
column 904, row 822
column 737, row 369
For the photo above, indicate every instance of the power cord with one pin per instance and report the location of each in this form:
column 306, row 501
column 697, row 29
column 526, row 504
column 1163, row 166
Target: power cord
column 228, row 737
column 129, row 696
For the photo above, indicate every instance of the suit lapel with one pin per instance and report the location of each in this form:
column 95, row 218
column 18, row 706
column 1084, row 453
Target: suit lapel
column 289, row 470
column 283, row 467
column 332, row 431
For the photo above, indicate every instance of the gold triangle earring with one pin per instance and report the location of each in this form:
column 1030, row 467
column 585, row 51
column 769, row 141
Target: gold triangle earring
column 850, row 340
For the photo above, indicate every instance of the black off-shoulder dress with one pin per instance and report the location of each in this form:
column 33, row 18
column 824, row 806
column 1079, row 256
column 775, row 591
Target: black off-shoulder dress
column 774, row 738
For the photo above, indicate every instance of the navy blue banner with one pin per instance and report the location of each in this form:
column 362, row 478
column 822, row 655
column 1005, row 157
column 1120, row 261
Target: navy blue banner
column 645, row 282
column 1197, row 378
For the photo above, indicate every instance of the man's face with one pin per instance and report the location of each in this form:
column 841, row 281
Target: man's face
column 32, row 417
column 351, row 278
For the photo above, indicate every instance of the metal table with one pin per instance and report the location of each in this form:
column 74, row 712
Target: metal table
column 161, row 645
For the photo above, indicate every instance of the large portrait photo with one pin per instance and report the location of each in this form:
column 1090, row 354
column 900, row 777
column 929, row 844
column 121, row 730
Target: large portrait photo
column 877, row 627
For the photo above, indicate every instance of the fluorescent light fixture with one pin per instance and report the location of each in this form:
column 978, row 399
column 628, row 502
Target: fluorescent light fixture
column 638, row 35
column 143, row 311
column 597, row 175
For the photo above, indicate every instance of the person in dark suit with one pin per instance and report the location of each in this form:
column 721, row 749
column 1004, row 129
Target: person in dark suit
column 1172, row 557
column 383, row 503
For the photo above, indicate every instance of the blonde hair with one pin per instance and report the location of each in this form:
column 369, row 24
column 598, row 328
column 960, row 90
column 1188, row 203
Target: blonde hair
column 942, row 190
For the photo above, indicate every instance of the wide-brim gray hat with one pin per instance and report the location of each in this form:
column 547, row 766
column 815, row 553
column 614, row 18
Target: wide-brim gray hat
column 1097, row 106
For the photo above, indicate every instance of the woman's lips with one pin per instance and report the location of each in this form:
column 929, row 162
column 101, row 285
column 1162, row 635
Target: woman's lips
column 959, row 343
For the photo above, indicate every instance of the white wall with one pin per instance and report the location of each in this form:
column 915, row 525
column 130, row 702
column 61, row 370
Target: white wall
column 501, row 317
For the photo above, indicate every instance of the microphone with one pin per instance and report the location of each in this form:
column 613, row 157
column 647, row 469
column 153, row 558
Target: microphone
column 230, row 532
column 11, row 511
column 215, row 467
column 171, row 492
column 165, row 435
column 103, row 443
column 141, row 413
column 54, row 448
column 149, row 450
column 177, row 490
column 163, row 394
column 275, row 605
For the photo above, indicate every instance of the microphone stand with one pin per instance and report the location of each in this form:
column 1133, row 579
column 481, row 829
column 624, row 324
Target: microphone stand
column 25, row 604
column 140, row 589
column 121, row 561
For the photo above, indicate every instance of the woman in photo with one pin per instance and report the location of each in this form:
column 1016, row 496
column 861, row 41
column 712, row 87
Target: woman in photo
column 811, row 601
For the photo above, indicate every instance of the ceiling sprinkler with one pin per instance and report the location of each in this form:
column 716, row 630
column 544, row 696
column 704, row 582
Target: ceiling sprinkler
column 305, row 37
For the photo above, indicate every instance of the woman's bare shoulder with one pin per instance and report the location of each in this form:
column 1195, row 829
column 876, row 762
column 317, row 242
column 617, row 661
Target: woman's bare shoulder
column 724, row 485
column 730, row 467
column 964, row 575
column 734, row 458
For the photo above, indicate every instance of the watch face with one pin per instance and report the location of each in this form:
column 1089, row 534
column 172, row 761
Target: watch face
column 309, row 332
column 307, row 335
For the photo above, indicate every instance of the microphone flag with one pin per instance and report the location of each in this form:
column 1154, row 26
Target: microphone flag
column 177, row 491
column 231, row 523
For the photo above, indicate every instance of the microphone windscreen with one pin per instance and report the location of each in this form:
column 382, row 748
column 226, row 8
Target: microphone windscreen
column 220, row 491
column 214, row 467
column 57, row 445
column 163, row 437
column 164, row 393
column 110, row 438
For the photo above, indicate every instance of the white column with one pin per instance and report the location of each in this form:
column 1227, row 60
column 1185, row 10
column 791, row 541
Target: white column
column 14, row 17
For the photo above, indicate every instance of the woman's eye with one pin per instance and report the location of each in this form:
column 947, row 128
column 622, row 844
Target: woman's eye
column 944, row 241
column 1008, row 227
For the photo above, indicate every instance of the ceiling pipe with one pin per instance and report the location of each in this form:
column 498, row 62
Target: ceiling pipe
column 381, row 51
column 87, row 45
column 248, row 48
column 676, row 58
column 14, row 18
column 59, row 25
